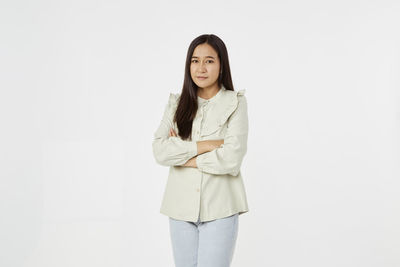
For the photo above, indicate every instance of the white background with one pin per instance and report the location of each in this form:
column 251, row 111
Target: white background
column 83, row 87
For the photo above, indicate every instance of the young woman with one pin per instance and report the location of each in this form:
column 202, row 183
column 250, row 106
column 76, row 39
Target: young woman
column 202, row 137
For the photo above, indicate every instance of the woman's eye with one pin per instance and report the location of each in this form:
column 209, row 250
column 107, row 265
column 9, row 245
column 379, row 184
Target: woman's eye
column 195, row 60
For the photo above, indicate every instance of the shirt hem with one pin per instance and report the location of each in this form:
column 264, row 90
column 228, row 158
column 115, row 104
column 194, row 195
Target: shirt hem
column 210, row 218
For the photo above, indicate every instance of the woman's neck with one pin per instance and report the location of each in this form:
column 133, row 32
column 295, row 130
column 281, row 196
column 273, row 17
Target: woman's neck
column 207, row 93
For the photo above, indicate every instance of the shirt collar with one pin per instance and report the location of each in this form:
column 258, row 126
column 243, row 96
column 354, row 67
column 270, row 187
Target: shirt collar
column 201, row 101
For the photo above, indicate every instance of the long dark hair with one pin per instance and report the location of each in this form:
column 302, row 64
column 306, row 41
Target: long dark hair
column 187, row 106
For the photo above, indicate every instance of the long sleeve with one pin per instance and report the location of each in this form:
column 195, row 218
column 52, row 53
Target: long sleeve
column 171, row 150
column 227, row 159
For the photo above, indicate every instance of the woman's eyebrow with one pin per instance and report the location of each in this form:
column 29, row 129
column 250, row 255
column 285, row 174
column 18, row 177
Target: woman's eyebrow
column 205, row 57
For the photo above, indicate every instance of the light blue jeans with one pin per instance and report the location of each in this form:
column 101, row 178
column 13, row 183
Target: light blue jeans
column 204, row 244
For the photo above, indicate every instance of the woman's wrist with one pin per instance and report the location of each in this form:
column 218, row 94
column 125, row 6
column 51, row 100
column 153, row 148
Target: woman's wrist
column 191, row 163
column 208, row 145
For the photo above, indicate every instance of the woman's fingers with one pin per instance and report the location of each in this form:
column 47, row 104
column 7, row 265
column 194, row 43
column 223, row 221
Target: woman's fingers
column 172, row 132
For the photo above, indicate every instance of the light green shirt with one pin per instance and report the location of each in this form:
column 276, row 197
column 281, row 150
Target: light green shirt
column 215, row 188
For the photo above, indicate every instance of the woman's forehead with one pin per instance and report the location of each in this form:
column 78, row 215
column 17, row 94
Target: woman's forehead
column 204, row 50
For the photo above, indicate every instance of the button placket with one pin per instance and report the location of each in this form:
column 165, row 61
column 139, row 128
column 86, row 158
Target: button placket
column 202, row 112
column 200, row 122
column 200, row 119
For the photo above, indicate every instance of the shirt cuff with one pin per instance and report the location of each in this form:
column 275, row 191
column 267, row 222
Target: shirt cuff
column 192, row 148
column 199, row 161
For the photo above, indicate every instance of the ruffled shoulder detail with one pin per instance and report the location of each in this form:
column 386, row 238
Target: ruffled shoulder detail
column 173, row 99
column 241, row 92
column 227, row 104
column 232, row 104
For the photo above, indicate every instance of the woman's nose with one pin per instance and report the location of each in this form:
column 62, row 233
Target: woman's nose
column 202, row 67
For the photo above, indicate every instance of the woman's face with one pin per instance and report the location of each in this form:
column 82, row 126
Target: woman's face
column 204, row 63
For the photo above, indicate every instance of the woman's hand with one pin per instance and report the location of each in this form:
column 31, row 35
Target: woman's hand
column 191, row 163
column 172, row 132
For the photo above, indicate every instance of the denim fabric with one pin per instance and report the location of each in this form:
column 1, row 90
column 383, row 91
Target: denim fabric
column 204, row 244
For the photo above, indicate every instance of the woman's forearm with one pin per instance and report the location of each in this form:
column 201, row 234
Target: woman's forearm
column 202, row 147
column 208, row 145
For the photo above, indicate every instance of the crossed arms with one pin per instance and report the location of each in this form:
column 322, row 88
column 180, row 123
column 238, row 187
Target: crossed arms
column 218, row 157
column 202, row 147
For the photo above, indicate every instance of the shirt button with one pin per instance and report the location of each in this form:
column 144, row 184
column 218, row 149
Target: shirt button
column 198, row 190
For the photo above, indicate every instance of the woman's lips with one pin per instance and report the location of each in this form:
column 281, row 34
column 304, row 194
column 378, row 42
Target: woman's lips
column 201, row 78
